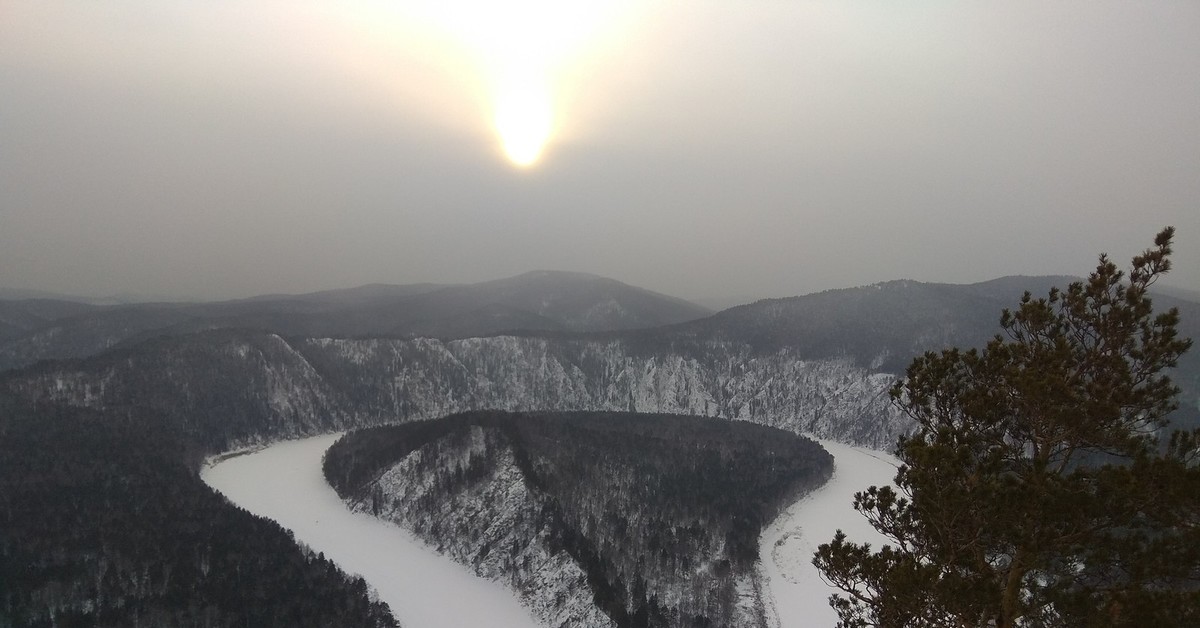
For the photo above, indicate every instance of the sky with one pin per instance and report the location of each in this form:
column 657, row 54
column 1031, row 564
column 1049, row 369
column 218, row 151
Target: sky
column 228, row 148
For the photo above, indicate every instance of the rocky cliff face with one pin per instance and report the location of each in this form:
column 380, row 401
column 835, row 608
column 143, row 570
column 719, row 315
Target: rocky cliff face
column 231, row 388
column 423, row 378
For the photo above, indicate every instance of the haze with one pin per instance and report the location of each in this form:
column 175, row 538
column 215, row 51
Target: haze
column 702, row 149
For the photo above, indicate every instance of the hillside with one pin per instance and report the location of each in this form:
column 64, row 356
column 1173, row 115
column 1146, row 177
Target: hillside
column 19, row 317
column 881, row 326
column 652, row 520
column 820, row 364
column 229, row 388
column 537, row 301
column 106, row 525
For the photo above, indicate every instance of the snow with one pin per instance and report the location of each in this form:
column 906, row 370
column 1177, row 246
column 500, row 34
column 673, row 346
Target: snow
column 795, row 590
column 423, row 589
column 427, row 590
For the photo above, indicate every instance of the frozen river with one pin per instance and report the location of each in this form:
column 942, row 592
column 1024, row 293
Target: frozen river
column 800, row 597
column 425, row 590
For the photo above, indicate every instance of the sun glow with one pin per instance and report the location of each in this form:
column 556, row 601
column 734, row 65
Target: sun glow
column 524, row 49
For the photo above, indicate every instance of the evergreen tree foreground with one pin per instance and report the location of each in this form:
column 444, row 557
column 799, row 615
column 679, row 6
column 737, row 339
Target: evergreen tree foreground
column 1038, row 489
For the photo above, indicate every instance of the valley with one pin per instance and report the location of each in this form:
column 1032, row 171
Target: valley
column 426, row 589
column 458, row 314
column 169, row 398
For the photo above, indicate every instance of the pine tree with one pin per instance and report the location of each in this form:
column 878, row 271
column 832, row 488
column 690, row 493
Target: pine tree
column 1035, row 490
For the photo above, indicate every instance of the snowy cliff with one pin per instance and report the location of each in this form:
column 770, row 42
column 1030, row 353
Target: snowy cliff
column 231, row 388
column 424, row 378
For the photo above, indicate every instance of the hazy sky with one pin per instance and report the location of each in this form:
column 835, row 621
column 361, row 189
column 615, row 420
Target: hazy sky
column 765, row 148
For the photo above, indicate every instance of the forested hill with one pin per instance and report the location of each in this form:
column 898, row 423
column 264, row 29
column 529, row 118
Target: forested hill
column 18, row 317
column 882, row 326
column 103, row 524
column 598, row 518
column 540, row 301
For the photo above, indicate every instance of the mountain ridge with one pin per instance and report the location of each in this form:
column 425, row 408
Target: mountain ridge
column 820, row 364
column 537, row 301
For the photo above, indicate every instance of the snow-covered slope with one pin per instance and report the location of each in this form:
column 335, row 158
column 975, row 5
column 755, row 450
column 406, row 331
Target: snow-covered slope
column 226, row 389
column 495, row 523
column 426, row 378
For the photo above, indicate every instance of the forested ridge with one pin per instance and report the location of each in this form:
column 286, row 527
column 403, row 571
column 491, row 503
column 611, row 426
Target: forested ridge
column 105, row 522
column 661, row 513
column 37, row 329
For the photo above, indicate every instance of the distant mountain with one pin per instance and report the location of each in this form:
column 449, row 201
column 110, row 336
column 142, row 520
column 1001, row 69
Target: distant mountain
column 578, row 301
column 718, row 303
column 881, row 326
column 342, row 296
column 21, row 294
column 536, row 301
column 19, row 317
column 1183, row 294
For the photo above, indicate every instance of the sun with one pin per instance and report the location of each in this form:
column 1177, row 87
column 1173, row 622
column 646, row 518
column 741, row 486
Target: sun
column 524, row 120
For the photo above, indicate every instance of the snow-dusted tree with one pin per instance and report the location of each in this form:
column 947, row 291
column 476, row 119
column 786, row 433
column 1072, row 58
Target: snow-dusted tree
column 1036, row 490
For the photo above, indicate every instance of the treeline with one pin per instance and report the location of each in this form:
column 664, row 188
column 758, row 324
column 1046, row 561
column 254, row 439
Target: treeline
column 103, row 522
column 661, row 512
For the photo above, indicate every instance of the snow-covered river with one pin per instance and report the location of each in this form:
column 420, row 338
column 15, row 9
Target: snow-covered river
column 425, row 590
column 800, row 597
